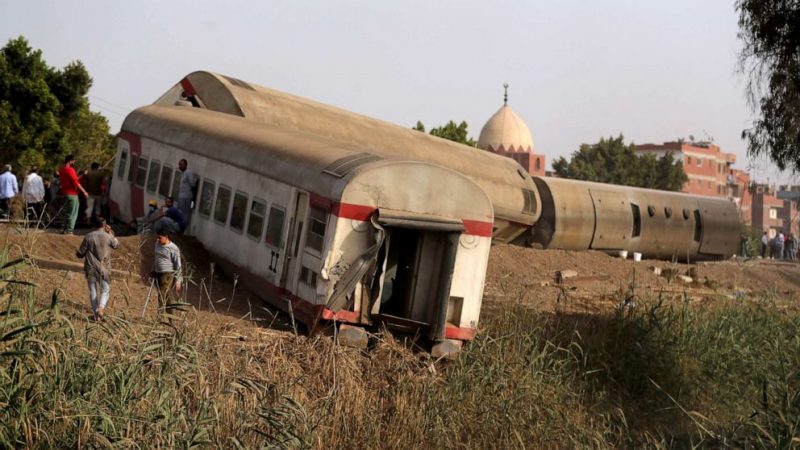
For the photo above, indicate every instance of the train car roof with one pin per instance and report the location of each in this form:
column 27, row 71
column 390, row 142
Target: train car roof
column 304, row 160
column 502, row 178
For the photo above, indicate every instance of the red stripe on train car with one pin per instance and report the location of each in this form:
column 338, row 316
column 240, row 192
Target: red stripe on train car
column 188, row 89
column 351, row 211
column 478, row 228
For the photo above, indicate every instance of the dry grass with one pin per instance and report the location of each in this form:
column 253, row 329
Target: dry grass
column 662, row 374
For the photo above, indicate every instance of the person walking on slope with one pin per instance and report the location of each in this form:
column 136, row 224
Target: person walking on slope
column 33, row 192
column 94, row 186
column 166, row 270
column 96, row 251
column 764, row 244
column 70, row 186
column 8, row 190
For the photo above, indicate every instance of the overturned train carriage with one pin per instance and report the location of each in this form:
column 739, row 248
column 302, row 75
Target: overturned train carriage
column 550, row 212
column 658, row 224
column 313, row 225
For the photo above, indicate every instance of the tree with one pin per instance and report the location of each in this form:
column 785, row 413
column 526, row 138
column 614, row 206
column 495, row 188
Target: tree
column 611, row 161
column 44, row 112
column 450, row 131
column 770, row 57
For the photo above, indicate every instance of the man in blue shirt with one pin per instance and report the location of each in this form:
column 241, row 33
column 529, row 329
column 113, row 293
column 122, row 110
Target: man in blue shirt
column 8, row 190
column 171, row 220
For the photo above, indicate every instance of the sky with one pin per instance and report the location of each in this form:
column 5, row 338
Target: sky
column 653, row 71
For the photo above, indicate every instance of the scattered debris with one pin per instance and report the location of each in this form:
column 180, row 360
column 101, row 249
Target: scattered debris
column 562, row 275
column 685, row 279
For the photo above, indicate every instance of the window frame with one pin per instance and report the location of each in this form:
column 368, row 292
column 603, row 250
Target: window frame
column 227, row 207
column 176, row 184
column 123, row 163
column 153, row 162
column 132, row 168
column 244, row 213
column 213, row 197
column 139, row 169
column 250, row 216
column 161, row 180
column 280, row 243
column 309, row 232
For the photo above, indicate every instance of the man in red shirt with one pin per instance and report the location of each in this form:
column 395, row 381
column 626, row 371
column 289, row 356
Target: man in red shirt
column 70, row 186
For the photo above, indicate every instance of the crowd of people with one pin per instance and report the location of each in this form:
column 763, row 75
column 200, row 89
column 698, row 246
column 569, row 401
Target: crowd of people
column 781, row 246
column 79, row 196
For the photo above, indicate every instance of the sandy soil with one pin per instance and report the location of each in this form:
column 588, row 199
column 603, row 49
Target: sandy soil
column 515, row 275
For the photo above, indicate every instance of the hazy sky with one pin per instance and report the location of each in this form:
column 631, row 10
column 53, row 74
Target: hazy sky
column 578, row 70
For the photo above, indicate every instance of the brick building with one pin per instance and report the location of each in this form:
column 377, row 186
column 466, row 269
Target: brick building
column 709, row 170
column 505, row 133
column 775, row 210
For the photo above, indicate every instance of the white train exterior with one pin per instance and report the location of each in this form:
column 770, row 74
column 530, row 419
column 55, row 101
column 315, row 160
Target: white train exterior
column 318, row 228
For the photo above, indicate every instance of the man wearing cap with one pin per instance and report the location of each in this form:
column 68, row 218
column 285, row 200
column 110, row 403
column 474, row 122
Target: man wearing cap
column 70, row 186
column 8, row 190
column 166, row 269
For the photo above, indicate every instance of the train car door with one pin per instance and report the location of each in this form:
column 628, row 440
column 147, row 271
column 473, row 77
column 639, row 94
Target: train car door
column 292, row 262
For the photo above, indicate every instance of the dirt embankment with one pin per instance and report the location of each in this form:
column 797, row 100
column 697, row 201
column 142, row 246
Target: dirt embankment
column 515, row 275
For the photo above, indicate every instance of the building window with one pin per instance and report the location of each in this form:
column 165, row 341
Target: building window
column 206, row 198
column 222, row 203
column 538, row 164
column 688, row 160
column 239, row 210
column 699, row 162
column 255, row 225
column 274, row 235
column 773, row 213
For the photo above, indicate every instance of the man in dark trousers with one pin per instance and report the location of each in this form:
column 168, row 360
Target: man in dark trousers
column 96, row 251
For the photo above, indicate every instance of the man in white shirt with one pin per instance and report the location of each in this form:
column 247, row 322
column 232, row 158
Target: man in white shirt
column 8, row 190
column 33, row 193
column 187, row 191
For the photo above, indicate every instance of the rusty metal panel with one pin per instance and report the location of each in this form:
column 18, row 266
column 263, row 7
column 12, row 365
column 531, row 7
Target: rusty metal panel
column 720, row 227
column 613, row 220
column 573, row 214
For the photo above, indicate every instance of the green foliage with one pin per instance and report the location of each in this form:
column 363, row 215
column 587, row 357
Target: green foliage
column 450, row 131
column 44, row 111
column 770, row 34
column 612, row 161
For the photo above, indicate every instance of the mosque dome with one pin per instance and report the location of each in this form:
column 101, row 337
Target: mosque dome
column 506, row 132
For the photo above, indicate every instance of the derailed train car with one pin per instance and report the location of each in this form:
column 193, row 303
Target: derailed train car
column 334, row 215
column 313, row 225
column 659, row 224
column 550, row 212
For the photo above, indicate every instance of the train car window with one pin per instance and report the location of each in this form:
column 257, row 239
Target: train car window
column 123, row 160
column 222, row 204
column 176, row 184
column 141, row 172
column 274, row 235
column 651, row 211
column 698, row 226
column 637, row 221
column 667, row 212
column 132, row 168
column 152, row 178
column 685, row 214
column 206, row 198
column 318, row 221
column 255, row 224
column 164, row 184
column 239, row 211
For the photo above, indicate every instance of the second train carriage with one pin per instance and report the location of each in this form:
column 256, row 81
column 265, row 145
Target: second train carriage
column 578, row 215
column 315, row 226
